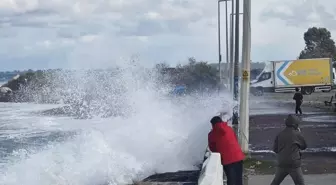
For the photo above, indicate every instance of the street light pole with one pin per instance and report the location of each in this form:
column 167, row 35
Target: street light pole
column 227, row 45
column 232, row 51
column 219, row 46
column 219, row 42
column 236, row 55
column 245, row 83
column 236, row 71
column 231, row 47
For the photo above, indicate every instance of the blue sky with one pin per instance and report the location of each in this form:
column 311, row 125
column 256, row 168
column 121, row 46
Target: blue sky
column 40, row 34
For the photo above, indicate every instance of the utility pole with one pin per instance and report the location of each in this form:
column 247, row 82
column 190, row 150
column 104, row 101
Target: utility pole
column 219, row 42
column 232, row 51
column 231, row 47
column 219, row 46
column 236, row 70
column 227, row 44
column 245, row 83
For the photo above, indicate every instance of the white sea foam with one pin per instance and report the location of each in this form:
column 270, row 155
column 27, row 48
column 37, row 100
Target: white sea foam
column 158, row 134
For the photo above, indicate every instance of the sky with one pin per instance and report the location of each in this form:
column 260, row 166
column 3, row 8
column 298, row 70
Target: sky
column 41, row 34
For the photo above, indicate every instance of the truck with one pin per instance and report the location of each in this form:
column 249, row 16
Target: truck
column 309, row 75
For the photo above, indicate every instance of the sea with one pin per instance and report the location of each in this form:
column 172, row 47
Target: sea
column 157, row 134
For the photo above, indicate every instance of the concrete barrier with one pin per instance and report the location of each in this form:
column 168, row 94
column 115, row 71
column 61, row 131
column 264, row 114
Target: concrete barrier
column 207, row 154
column 212, row 169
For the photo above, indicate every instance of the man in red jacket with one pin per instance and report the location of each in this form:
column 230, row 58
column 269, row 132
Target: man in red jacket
column 223, row 140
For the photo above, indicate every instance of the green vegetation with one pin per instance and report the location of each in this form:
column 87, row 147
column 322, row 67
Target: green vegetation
column 195, row 75
column 256, row 166
column 319, row 44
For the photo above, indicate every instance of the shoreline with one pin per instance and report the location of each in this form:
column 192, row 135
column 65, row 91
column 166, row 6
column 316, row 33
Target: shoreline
column 264, row 127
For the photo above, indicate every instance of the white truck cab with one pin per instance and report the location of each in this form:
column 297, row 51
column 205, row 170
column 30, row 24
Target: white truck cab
column 264, row 81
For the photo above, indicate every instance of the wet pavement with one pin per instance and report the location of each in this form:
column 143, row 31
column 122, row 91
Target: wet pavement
column 320, row 119
column 180, row 176
column 325, row 179
column 319, row 130
column 271, row 107
column 318, row 126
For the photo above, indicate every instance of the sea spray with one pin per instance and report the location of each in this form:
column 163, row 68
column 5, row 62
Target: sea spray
column 153, row 132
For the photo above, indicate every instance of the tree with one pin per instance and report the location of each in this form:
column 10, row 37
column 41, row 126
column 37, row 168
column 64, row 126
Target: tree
column 319, row 44
column 161, row 71
column 198, row 74
column 161, row 66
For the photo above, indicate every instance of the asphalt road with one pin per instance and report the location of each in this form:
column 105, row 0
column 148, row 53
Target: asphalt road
column 318, row 129
column 318, row 126
column 267, row 115
column 328, row 179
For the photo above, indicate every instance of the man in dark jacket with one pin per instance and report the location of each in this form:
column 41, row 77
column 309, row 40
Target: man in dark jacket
column 298, row 97
column 287, row 146
column 223, row 140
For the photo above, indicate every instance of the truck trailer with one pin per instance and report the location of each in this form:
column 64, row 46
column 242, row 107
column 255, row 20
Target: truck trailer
column 309, row 75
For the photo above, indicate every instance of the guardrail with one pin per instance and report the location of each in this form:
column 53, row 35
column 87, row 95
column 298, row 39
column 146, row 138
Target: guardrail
column 212, row 169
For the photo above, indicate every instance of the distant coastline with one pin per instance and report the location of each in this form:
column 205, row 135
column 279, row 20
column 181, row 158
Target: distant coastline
column 64, row 85
column 6, row 76
column 3, row 82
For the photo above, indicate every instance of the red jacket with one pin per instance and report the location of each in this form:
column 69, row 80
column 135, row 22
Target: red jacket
column 223, row 140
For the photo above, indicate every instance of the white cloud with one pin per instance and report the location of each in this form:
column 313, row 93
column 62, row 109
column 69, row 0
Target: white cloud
column 89, row 38
column 63, row 33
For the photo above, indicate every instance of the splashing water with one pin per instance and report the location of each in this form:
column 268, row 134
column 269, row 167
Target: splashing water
column 155, row 133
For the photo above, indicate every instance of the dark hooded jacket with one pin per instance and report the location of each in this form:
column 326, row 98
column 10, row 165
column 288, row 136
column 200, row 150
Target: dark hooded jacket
column 298, row 98
column 288, row 143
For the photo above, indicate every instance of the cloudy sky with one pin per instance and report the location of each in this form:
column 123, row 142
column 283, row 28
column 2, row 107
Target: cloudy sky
column 100, row 33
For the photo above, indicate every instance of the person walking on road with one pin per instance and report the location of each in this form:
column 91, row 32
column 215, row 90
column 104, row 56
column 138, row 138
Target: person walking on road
column 287, row 145
column 298, row 97
column 223, row 140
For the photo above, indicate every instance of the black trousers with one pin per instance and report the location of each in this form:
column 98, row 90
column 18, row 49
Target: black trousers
column 234, row 173
column 298, row 107
column 295, row 173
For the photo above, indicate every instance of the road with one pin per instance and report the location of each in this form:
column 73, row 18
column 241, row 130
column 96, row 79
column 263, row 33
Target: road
column 328, row 179
column 267, row 119
column 318, row 129
column 318, row 126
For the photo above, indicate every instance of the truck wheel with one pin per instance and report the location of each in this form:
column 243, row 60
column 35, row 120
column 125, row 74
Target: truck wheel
column 307, row 90
column 259, row 91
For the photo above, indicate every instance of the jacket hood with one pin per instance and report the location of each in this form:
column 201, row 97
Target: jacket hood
column 292, row 121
